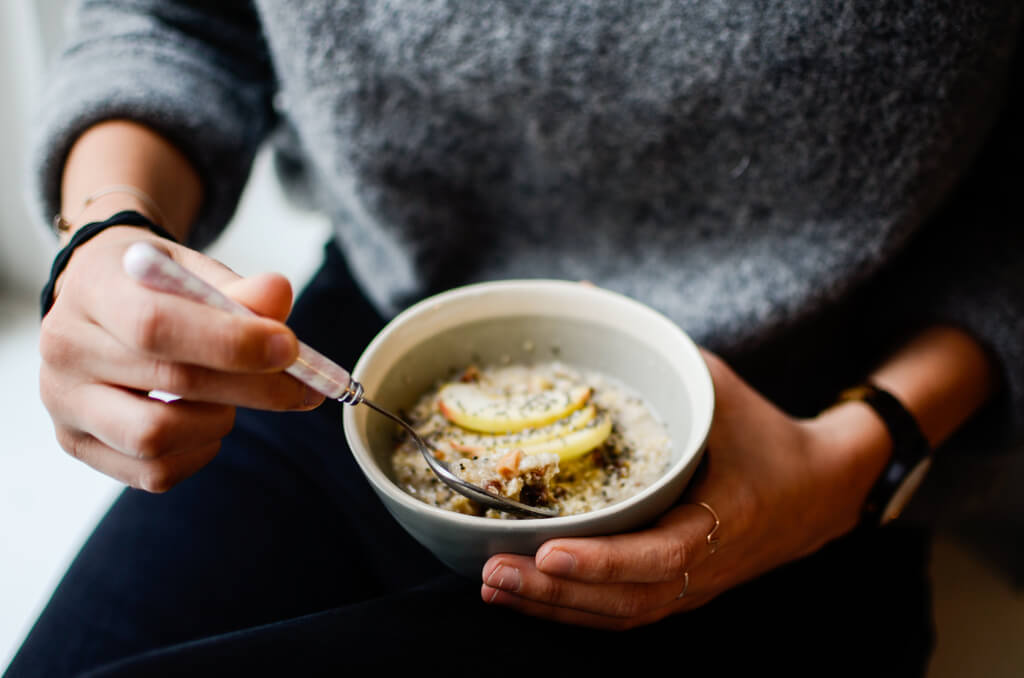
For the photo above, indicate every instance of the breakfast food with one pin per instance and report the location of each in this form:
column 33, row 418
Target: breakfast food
column 545, row 435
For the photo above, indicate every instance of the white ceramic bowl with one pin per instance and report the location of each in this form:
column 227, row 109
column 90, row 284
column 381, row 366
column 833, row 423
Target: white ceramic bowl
column 528, row 321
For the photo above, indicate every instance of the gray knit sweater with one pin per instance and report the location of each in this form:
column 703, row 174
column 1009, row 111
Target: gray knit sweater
column 797, row 184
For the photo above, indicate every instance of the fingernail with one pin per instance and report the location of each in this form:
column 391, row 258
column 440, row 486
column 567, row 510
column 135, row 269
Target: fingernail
column 505, row 578
column 280, row 350
column 558, row 563
column 312, row 397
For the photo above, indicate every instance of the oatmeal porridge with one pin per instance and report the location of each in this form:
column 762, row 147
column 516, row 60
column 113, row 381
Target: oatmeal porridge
column 546, row 435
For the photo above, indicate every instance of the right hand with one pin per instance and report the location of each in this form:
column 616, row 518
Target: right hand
column 107, row 341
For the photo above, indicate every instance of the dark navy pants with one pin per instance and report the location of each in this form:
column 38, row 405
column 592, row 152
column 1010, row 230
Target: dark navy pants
column 278, row 559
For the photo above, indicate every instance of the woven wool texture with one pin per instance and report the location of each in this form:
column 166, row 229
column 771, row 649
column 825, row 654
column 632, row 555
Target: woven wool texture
column 791, row 182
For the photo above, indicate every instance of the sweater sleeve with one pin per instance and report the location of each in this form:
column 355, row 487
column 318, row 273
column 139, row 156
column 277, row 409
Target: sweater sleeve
column 196, row 72
column 967, row 269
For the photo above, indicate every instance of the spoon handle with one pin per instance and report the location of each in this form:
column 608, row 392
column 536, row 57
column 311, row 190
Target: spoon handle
column 157, row 271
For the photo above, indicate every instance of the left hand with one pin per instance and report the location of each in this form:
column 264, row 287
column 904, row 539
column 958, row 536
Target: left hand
column 781, row 487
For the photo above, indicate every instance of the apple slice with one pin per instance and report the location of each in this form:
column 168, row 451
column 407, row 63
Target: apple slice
column 575, row 444
column 477, row 443
column 469, row 406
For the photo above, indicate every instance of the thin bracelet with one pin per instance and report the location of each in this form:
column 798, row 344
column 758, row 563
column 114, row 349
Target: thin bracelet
column 63, row 225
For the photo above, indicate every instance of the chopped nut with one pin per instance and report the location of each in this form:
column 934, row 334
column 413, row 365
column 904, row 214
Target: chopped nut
column 508, row 464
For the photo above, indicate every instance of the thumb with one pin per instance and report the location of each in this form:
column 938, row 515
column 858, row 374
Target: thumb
column 268, row 294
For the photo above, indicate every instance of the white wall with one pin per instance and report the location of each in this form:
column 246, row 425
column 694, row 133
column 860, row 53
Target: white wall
column 24, row 45
column 266, row 234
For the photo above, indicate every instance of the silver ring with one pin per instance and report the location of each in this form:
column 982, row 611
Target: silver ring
column 686, row 585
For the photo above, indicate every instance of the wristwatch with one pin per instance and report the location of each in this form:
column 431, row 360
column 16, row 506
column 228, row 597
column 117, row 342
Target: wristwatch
column 911, row 455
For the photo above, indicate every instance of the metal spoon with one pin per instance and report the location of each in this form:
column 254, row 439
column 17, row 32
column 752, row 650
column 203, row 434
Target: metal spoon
column 155, row 270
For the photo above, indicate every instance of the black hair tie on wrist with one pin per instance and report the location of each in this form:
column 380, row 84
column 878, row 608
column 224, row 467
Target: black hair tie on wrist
column 125, row 218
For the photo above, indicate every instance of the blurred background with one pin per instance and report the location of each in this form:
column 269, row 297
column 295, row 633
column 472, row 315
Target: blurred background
column 49, row 502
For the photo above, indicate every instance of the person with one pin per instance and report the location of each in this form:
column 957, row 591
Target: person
column 820, row 194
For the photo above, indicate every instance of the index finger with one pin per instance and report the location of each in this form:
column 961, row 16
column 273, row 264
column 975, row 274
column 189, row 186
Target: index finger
column 167, row 327
column 664, row 552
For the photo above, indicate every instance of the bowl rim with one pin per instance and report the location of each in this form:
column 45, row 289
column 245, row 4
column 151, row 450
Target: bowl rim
column 382, row 483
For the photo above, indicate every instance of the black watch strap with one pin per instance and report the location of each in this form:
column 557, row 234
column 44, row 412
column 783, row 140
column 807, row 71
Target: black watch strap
column 909, row 446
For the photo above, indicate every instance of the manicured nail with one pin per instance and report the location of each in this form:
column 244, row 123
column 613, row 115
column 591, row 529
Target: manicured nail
column 280, row 350
column 558, row 563
column 505, row 578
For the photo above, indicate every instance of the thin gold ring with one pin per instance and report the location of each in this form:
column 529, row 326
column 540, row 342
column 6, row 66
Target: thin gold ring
column 686, row 585
column 711, row 539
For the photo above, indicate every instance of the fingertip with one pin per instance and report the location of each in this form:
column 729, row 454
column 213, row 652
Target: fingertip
column 282, row 348
column 312, row 398
column 279, row 293
column 488, row 568
column 489, row 594
column 556, row 561
column 268, row 294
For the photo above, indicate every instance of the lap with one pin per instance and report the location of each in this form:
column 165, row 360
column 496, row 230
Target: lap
column 807, row 619
column 278, row 557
